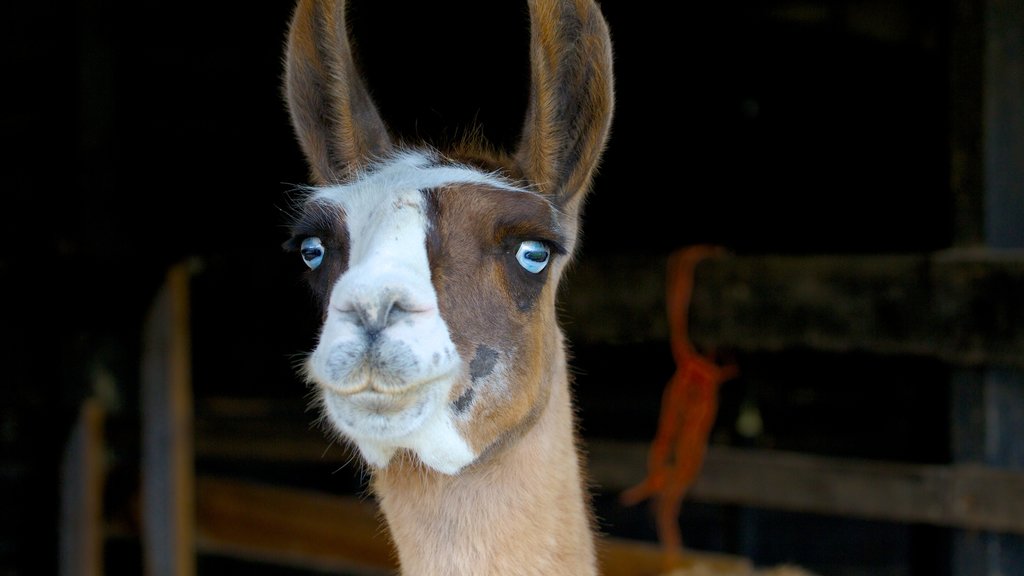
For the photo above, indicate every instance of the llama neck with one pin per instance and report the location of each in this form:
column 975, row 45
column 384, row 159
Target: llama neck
column 521, row 511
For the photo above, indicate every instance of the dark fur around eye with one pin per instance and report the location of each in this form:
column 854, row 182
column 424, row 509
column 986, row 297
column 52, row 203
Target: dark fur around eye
column 327, row 223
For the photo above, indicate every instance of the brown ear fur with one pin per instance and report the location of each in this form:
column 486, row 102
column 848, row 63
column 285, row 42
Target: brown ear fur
column 334, row 117
column 571, row 98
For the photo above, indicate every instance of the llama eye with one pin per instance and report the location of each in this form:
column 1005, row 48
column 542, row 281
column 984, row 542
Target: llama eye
column 533, row 256
column 312, row 251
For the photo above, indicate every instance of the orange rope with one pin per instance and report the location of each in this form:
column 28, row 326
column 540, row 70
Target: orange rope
column 688, row 407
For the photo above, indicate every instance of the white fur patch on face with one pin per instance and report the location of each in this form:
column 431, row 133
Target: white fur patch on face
column 427, row 429
column 385, row 362
column 415, row 170
column 436, row 442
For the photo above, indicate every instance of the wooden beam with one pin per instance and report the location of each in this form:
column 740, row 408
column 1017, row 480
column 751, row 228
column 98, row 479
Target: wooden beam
column 167, row 453
column 961, row 307
column 313, row 530
column 623, row 557
column 292, row 527
column 965, row 496
column 615, row 299
column 1002, row 122
column 987, row 122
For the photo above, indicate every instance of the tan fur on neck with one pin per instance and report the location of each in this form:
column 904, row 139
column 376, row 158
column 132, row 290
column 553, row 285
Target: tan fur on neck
column 525, row 501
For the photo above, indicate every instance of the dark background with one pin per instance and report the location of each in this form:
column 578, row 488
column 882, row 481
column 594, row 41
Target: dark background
column 140, row 134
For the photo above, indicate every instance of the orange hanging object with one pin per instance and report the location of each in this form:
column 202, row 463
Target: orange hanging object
column 688, row 407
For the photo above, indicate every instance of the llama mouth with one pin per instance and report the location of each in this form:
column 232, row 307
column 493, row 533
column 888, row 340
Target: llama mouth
column 374, row 403
column 390, row 367
column 383, row 416
column 374, row 386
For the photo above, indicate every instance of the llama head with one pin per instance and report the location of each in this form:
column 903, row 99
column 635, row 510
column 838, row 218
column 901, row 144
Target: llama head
column 437, row 273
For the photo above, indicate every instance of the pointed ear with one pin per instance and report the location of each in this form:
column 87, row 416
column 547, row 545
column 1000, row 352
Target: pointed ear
column 334, row 118
column 571, row 98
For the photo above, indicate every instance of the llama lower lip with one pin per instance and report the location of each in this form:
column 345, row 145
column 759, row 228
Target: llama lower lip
column 371, row 384
column 378, row 416
column 381, row 404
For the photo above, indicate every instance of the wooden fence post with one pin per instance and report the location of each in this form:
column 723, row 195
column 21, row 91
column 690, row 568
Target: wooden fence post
column 168, row 469
column 83, row 472
column 988, row 183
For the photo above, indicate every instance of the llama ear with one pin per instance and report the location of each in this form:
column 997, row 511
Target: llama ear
column 334, row 117
column 571, row 98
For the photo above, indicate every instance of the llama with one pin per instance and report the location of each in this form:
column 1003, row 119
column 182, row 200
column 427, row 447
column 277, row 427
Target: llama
column 440, row 358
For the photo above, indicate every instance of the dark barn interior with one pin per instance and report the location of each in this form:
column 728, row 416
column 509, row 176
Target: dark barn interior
column 860, row 161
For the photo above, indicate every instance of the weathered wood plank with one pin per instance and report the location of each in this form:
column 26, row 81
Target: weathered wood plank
column 292, row 527
column 963, row 496
column 167, row 444
column 615, row 299
column 622, row 557
column 987, row 123
column 966, row 496
column 83, row 472
column 1002, row 122
column 962, row 307
column 307, row 529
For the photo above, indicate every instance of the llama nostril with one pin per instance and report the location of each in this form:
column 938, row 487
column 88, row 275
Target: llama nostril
column 376, row 317
column 373, row 309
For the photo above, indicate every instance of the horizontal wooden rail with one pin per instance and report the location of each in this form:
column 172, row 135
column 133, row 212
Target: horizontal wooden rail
column 961, row 496
column 291, row 527
column 964, row 307
column 308, row 529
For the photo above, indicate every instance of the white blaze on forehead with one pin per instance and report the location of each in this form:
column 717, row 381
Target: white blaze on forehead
column 413, row 170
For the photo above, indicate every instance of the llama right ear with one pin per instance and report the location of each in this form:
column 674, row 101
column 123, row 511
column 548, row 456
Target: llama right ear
column 569, row 111
column 334, row 117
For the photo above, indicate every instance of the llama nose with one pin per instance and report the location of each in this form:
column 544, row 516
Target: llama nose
column 375, row 314
column 375, row 318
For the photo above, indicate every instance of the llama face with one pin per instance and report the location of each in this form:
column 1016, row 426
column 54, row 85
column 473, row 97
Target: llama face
column 438, row 279
column 414, row 252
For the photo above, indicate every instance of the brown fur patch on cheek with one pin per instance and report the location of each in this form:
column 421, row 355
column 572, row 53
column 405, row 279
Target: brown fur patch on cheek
column 482, row 365
column 505, row 409
column 503, row 399
column 483, row 362
column 490, row 305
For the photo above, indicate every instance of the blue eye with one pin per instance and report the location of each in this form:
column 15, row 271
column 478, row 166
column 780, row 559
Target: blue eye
column 312, row 251
column 533, row 256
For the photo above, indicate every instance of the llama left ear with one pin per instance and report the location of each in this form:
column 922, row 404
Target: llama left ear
column 571, row 101
column 336, row 122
